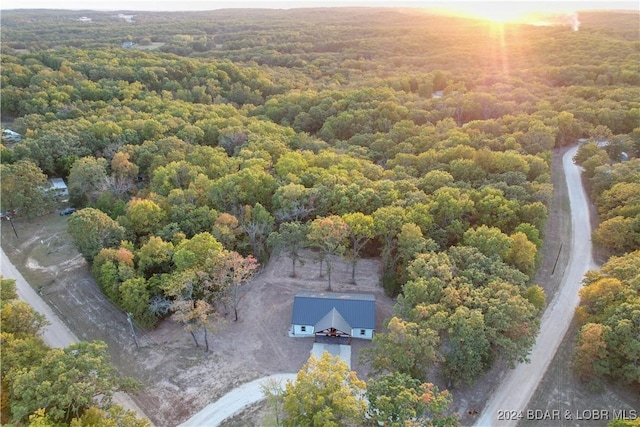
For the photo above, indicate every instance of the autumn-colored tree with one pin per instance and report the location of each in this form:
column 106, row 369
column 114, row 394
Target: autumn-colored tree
column 226, row 229
column 325, row 393
column 522, row 254
column 590, row 359
column 609, row 343
column 397, row 400
column 195, row 315
column 231, row 271
column 618, row 234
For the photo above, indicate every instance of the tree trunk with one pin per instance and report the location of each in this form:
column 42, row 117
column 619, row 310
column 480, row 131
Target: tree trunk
column 235, row 300
column 353, row 271
column 206, row 341
column 329, row 273
column 194, row 339
column 321, row 260
column 293, row 263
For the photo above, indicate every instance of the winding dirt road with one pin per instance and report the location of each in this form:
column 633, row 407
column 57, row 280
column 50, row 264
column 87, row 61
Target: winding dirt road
column 509, row 401
column 234, row 401
column 56, row 334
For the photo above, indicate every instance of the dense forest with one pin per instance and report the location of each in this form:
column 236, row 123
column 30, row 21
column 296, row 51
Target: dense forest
column 196, row 145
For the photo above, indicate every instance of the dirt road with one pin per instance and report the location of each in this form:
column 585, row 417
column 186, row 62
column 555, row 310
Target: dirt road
column 234, row 401
column 509, row 401
column 56, row 334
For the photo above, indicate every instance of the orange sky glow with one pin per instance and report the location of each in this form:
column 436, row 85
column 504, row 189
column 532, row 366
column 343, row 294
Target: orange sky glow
column 515, row 12
column 496, row 10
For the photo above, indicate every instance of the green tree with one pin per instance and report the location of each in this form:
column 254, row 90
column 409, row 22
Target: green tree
column 325, row 394
column 329, row 235
column 7, row 290
column 18, row 318
column 93, row 230
column 407, row 347
column 290, row 239
column 66, row 382
column 195, row 253
column 134, row 298
column 22, row 189
column 361, row 230
column 87, row 180
column 155, row 257
column 468, row 352
column 618, row 234
column 488, row 240
column 145, row 217
column 387, row 223
column 257, row 223
column 411, row 243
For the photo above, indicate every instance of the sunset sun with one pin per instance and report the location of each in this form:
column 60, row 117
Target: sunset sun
column 510, row 12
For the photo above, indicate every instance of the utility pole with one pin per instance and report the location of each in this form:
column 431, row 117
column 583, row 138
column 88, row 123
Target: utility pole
column 133, row 331
column 14, row 229
column 557, row 258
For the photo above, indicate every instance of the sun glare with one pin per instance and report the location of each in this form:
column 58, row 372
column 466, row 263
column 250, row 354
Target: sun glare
column 509, row 12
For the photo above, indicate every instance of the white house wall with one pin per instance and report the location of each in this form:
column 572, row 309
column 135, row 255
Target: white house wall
column 368, row 333
column 308, row 332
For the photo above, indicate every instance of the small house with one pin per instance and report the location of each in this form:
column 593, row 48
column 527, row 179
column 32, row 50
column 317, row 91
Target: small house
column 333, row 314
column 58, row 187
column 11, row 136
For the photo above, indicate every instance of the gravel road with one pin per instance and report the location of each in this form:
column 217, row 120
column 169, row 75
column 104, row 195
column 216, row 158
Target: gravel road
column 233, row 402
column 509, row 401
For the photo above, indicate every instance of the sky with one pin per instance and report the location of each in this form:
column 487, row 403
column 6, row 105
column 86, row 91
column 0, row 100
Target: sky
column 177, row 5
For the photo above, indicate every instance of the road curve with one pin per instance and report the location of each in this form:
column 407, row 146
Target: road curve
column 56, row 333
column 516, row 390
column 233, row 402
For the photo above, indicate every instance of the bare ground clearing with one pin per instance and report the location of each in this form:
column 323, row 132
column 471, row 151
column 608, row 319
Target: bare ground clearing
column 179, row 378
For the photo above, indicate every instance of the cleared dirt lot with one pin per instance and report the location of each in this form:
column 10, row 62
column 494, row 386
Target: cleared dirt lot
column 179, row 378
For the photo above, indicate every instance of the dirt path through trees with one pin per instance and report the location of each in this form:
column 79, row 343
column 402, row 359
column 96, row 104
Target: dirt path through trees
column 508, row 403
